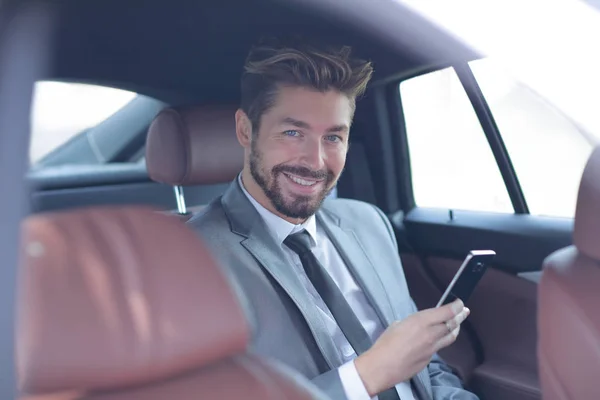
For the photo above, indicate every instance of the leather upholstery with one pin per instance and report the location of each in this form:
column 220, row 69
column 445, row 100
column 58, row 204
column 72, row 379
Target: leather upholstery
column 194, row 146
column 243, row 377
column 119, row 303
column 586, row 233
column 569, row 298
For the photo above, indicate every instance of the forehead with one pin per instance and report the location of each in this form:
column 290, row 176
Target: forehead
column 320, row 110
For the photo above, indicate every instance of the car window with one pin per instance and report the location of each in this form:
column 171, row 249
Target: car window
column 452, row 164
column 62, row 110
column 547, row 150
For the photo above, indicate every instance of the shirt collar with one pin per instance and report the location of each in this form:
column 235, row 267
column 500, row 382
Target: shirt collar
column 279, row 227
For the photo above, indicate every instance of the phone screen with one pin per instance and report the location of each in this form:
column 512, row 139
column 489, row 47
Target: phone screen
column 467, row 277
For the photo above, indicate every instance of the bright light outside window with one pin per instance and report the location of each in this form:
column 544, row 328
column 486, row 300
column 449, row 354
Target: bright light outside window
column 547, row 150
column 62, row 110
column 451, row 161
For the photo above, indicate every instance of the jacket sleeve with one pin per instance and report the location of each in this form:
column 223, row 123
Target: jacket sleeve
column 444, row 383
column 331, row 384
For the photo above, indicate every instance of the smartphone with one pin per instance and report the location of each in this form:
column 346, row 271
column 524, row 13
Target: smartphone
column 467, row 277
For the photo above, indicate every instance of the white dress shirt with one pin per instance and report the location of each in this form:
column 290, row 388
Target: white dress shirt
column 326, row 253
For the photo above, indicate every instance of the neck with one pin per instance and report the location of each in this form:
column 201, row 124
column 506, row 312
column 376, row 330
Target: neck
column 259, row 195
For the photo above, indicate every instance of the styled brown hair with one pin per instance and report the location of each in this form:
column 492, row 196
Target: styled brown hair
column 293, row 62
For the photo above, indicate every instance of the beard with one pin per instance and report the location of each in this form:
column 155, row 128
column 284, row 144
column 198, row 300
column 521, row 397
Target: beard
column 297, row 207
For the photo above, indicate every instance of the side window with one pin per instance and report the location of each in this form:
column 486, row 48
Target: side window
column 451, row 161
column 63, row 111
column 547, row 150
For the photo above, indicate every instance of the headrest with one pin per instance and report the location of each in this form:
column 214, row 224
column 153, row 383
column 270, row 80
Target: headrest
column 115, row 297
column 194, row 146
column 586, row 235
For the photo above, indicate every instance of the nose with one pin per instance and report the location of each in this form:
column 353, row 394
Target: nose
column 313, row 154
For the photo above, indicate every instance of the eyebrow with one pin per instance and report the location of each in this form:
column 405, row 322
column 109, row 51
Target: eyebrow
column 304, row 125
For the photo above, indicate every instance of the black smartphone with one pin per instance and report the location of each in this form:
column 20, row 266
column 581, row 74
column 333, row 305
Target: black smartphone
column 467, row 277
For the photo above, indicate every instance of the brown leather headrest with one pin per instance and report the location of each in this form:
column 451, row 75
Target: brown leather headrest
column 586, row 235
column 113, row 297
column 194, row 146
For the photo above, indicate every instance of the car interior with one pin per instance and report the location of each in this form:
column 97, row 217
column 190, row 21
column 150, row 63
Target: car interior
column 108, row 233
column 144, row 346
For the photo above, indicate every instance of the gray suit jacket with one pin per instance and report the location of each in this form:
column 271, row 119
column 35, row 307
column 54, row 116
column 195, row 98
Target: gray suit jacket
column 287, row 326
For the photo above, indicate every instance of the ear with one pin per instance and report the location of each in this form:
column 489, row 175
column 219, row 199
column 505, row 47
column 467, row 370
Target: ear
column 243, row 128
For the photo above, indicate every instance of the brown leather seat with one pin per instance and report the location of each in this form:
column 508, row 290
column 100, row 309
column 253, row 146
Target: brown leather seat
column 126, row 303
column 193, row 146
column 569, row 303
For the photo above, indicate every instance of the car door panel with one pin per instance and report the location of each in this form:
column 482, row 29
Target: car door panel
column 496, row 352
column 501, row 382
column 503, row 319
column 521, row 241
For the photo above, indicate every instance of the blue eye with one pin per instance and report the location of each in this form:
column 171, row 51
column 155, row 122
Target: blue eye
column 291, row 133
column 333, row 138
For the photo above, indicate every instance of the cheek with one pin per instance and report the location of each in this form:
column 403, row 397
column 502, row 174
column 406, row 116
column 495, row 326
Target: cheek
column 336, row 161
column 281, row 153
column 272, row 159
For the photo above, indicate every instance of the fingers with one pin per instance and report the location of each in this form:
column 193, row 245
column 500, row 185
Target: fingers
column 439, row 315
column 447, row 327
column 449, row 330
column 447, row 340
column 458, row 319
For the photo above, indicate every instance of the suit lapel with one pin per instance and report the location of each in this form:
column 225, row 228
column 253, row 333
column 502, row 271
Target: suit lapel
column 246, row 222
column 359, row 265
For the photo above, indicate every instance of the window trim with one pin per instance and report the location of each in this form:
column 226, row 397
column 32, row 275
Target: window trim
column 404, row 188
column 488, row 125
column 492, row 133
column 388, row 157
column 399, row 139
column 108, row 141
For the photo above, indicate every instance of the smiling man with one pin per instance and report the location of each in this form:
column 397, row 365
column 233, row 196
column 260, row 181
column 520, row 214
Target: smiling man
column 321, row 277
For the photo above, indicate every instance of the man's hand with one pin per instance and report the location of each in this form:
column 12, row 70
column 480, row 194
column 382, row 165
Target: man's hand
column 406, row 346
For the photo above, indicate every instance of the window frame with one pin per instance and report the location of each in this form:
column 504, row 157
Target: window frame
column 486, row 120
column 107, row 142
column 494, row 138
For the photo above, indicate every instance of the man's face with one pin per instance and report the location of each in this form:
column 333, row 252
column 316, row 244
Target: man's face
column 299, row 152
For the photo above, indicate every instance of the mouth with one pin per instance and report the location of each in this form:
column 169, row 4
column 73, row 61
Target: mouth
column 303, row 184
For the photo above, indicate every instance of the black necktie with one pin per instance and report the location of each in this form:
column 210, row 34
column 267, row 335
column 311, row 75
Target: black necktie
column 334, row 299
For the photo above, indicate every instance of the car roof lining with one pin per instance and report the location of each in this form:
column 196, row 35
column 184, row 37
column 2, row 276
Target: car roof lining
column 192, row 52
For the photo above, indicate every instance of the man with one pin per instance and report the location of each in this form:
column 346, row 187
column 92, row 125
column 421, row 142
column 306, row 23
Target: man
column 321, row 278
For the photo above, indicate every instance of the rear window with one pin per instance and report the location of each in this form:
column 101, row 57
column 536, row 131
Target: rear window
column 62, row 110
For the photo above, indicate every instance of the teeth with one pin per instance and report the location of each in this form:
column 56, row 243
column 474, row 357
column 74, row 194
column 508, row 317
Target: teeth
column 302, row 181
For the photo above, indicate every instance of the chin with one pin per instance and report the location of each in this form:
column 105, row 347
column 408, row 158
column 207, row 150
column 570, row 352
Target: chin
column 300, row 207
